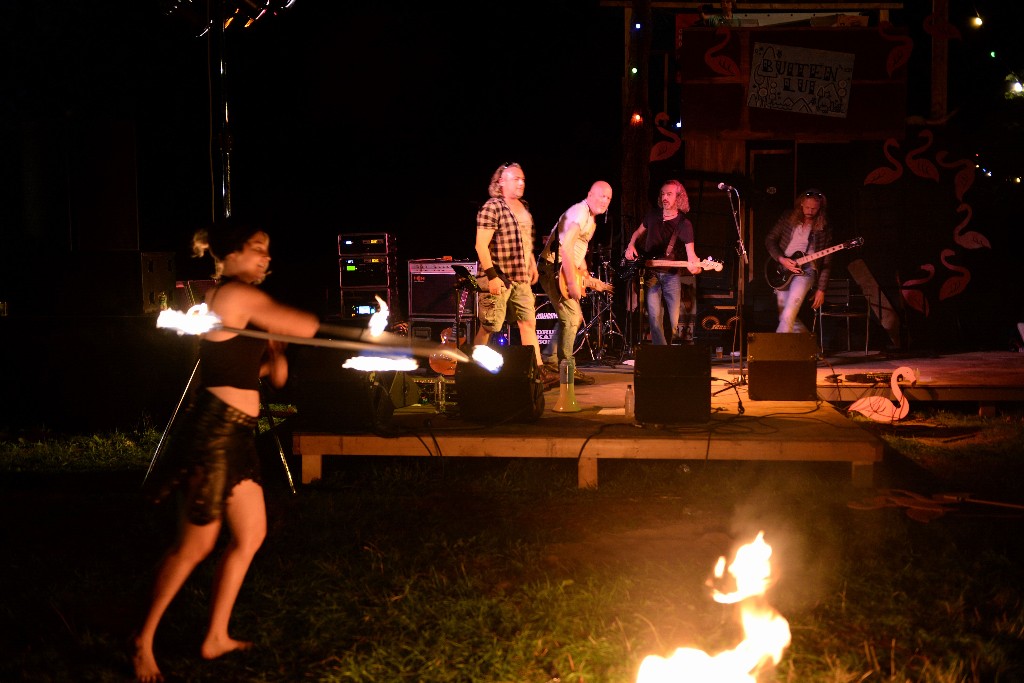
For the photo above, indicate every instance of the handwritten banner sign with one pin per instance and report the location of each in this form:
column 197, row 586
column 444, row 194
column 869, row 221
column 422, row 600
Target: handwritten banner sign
column 800, row 80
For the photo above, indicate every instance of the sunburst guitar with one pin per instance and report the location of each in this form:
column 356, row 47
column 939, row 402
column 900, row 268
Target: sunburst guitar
column 585, row 282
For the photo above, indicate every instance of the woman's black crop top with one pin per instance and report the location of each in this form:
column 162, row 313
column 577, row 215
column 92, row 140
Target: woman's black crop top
column 233, row 362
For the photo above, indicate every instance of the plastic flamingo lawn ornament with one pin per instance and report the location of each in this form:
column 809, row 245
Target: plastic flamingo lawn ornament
column 881, row 409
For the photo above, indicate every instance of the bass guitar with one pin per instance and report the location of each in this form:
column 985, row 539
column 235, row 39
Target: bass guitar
column 585, row 282
column 629, row 267
column 779, row 277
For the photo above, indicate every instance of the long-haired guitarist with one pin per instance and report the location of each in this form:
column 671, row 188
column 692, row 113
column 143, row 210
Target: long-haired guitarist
column 668, row 234
column 801, row 230
column 563, row 268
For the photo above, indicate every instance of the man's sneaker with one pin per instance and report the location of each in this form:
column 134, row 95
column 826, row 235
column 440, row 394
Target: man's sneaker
column 548, row 377
column 580, row 378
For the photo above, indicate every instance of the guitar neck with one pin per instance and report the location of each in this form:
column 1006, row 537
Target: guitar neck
column 818, row 254
column 662, row 263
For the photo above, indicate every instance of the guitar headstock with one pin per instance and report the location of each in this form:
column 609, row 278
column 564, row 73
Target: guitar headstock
column 711, row 264
column 855, row 242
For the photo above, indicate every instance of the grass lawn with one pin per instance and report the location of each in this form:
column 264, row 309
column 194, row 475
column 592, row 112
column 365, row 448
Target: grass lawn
column 433, row 569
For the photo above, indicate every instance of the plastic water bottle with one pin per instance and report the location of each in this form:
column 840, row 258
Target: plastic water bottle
column 630, row 402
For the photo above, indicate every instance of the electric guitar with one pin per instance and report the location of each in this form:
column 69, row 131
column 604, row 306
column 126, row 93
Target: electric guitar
column 779, row 277
column 629, row 267
column 585, row 282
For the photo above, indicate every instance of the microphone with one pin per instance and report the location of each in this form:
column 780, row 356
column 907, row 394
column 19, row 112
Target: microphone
column 723, row 186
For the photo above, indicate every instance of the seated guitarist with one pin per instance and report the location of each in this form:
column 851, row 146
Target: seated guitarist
column 564, row 258
column 667, row 234
column 803, row 229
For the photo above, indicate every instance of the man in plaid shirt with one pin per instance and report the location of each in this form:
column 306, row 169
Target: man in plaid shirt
column 504, row 247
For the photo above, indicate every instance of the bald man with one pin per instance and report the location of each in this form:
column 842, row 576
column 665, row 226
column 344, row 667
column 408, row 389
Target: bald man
column 564, row 258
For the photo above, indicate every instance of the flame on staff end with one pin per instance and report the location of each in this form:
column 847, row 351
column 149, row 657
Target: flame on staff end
column 379, row 320
column 487, row 358
column 196, row 320
column 380, row 364
column 765, row 632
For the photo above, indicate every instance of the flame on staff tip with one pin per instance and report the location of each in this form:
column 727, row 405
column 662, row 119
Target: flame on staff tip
column 765, row 632
column 379, row 320
column 196, row 320
column 380, row 364
column 487, row 358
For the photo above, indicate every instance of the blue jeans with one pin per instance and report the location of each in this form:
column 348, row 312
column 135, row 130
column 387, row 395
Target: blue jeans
column 790, row 300
column 662, row 288
column 569, row 311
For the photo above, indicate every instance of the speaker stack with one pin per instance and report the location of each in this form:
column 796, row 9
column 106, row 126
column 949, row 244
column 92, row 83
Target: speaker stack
column 366, row 270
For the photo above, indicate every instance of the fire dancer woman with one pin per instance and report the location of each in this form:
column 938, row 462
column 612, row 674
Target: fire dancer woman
column 210, row 461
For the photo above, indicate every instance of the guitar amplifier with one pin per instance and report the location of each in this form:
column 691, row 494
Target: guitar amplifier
column 432, row 292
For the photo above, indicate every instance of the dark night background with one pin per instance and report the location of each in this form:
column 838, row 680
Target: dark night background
column 349, row 118
column 343, row 119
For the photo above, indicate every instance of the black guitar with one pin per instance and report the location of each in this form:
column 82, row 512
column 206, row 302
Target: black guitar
column 779, row 277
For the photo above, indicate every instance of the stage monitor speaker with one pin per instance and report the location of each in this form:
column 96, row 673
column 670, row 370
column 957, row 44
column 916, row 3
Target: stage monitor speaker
column 782, row 366
column 432, row 292
column 514, row 394
column 672, row 383
column 332, row 398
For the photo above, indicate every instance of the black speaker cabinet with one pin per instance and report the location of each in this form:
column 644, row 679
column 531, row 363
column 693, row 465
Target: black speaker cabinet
column 782, row 366
column 672, row 384
column 332, row 398
column 514, row 394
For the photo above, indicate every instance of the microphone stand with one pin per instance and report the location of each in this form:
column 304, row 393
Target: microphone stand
column 741, row 252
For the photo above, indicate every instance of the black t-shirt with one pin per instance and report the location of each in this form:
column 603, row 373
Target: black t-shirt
column 659, row 236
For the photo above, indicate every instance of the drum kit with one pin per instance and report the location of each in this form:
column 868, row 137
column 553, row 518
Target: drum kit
column 600, row 337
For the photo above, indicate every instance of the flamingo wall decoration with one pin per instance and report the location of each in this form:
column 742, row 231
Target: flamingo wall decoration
column 883, row 175
column 940, row 28
column 900, row 54
column 916, row 298
column 955, row 283
column 664, row 149
column 964, row 178
column 881, row 409
column 970, row 239
column 922, row 167
column 722, row 65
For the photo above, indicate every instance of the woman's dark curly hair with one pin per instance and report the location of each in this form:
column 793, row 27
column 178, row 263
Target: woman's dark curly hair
column 222, row 239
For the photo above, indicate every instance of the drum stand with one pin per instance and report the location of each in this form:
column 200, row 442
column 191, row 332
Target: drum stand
column 604, row 327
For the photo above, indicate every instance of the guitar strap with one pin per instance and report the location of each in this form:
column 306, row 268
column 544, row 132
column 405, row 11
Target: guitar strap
column 551, row 245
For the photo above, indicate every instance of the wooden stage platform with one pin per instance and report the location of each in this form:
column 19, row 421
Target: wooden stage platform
column 739, row 428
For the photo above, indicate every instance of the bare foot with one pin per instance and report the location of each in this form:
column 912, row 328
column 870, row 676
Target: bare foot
column 215, row 647
column 146, row 670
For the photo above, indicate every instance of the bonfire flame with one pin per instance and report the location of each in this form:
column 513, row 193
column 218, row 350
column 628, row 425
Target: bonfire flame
column 766, row 632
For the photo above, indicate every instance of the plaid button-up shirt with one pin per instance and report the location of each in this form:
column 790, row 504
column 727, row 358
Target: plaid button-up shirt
column 506, row 246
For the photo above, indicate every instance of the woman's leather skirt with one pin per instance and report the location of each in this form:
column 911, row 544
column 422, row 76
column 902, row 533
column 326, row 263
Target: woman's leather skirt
column 211, row 448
